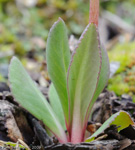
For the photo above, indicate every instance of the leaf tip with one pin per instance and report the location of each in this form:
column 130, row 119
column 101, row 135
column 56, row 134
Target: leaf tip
column 58, row 21
column 12, row 59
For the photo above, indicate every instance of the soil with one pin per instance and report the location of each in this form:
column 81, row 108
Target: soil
column 16, row 123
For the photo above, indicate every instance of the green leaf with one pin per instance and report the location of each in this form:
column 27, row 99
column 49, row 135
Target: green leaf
column 121, row 119
column 58, row 58
column 29, row 96
column 103, row 79
column 56, row 105
column 82, row 80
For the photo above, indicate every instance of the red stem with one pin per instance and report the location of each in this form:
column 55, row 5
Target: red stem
column 94, row 11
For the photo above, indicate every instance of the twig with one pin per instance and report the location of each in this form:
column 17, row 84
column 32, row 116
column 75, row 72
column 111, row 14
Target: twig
column 41, row 133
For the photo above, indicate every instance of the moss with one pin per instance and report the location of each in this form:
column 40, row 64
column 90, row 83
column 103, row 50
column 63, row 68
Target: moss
column 2, row 79
column 124, row 79
column 117, row 85
column 125, row 54
column 6, row 36
column 19, row 49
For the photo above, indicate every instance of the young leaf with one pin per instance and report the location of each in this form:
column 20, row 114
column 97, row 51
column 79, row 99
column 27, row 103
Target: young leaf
column 121, row 119
column 58, row 58
column 103, row 79
column 82, row 80
column 56, row 105
column 28, row 95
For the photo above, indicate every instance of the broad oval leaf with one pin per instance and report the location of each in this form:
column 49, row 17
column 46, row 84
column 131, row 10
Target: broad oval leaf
column 58, row 59
column 121, row 119
column 29, row 96
column 56, row 105
column 83, row 75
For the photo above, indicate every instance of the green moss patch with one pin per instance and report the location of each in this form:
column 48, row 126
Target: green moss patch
column 124, row 79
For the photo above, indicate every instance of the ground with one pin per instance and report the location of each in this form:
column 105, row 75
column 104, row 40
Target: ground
column 23, row 32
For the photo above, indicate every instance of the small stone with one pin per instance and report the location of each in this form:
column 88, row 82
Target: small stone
column 4, row 87
column 126, row 97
